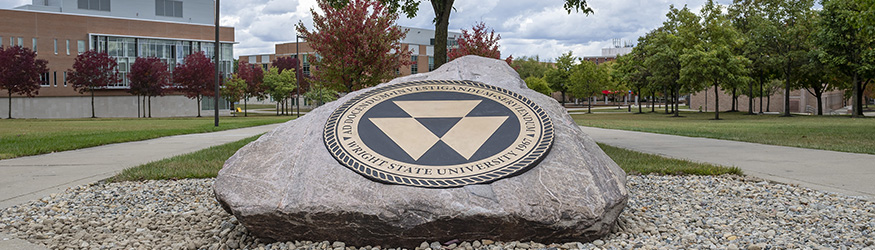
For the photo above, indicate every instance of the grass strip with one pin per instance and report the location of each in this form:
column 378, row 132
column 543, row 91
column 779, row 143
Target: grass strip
column 836, row 133
column 23, row 137
column 634, row 162
column 204, row 163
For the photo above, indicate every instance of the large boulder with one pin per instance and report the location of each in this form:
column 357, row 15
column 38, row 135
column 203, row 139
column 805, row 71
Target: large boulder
column 287, row 186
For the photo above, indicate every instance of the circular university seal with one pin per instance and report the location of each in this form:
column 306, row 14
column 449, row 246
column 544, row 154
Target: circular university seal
column 444, row 133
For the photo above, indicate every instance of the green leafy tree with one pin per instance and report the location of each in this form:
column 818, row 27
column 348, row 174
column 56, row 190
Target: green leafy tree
column 441, row 20
column 790, row 26
column 279, row 86
column 557, row 77
column 712, row 60
column 321, row 95
column 539, row 85
column 587, row 79
column 233, row 89
column 630, row 68
column 749, row 19
column 847, row 37
column 528, row 66
column 359, row 45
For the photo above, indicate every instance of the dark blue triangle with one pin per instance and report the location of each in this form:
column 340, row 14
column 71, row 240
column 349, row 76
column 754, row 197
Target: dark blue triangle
column 439, row 126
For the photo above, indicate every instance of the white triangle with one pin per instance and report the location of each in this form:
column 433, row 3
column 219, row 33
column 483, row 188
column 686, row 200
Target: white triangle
column 436, row 109
column 470, row 133
column 414, row 138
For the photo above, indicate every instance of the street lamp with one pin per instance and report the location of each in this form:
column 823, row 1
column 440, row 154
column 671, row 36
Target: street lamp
column 216, row 62
column 298, row 74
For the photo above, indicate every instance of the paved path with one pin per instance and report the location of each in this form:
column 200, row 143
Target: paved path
column 34, row 177
column 845, row 173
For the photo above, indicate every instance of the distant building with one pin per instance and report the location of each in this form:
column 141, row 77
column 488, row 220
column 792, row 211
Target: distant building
column 59, row 30
column 419, row 41
column 800, row 101
column 610, row 54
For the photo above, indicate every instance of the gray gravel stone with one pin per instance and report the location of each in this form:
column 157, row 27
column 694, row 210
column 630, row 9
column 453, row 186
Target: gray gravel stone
column 739, row 205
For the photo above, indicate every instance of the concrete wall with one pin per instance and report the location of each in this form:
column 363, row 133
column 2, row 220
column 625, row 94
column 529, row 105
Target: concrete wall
column 800, row 101
column 104, row 106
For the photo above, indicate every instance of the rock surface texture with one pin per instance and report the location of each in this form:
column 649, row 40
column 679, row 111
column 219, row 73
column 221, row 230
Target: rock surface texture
column 287, row 186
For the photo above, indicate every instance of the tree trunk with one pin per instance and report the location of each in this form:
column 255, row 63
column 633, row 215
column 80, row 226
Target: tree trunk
column 768, row 103
column 819, row 96
column 144, row 106
column 198, row 98
column 138, row 106
column 10, row 105
column 150, row 106
column 442, row 9
column 716, row 102
column 677, row 99
column 750, row 99
column 857, row 102
column 652, row 101
column 639, row 104
column 665, row 100
column 734, row 105
column 589, row 107
column 563, row 98
column 761, row 96
column 245, row 106
column 92, row 104
column 787, row 90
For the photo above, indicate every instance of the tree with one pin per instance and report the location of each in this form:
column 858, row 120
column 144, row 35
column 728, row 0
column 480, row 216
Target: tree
column 538, row 84
column 558, row 77
column 20, row 72
column 360, row 45
column 253, row 76
column 149, row 77
column 284, row 63
column 195, row 77
column 817, row 77
column 233, row 89
column 279, row 85
column 630, row 68
column 321, row 95
column 441, row 21
column 790, row 26
column 479, row 41
column 712, row 60
column 528, row 66
column 93, row 70
column 586, row 79
column 847, row 37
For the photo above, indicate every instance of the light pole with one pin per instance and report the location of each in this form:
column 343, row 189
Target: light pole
column 298, row 76
column 216, row 62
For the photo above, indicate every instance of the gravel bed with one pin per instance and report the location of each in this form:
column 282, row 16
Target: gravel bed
column 664, row 212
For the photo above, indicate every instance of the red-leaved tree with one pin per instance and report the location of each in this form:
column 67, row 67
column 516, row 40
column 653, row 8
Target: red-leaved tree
column 195, row 77
column 19, row 72
column 93, row 70
column 149, row 77
column 360, row 45
column 254, row 77
column 284, row 63
column 479, row 42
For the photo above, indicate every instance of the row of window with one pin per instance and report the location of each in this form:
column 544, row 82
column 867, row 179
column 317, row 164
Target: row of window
column 46, row 79
column 169, row 8
column 101, row 5
column 414, row 68
column 19, row 41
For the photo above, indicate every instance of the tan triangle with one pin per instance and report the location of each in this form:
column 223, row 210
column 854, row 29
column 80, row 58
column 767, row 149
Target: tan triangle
column 435, row 109
column 470, row 133
column 408, row 134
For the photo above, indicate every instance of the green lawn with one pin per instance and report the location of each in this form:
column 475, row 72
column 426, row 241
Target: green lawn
column 22, row 137
column 837, row 133
column 207, row 163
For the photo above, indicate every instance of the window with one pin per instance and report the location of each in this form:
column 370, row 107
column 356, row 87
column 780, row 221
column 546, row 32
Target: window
column 265, row 59
column 65, row 78
column 414, row 68
column 44, row 79
column 430, row 63
column 34, row 44
column 101, row 5
column 81, row 46
column 56, row 51
column 55, row 78
column 252, row 59
column 168, row 8
column 68, row 47
column 305, row 65
column 21, row 41
column 1, row 41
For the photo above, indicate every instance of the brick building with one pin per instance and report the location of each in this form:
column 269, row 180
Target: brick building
column 800, row 101
column 59, row 30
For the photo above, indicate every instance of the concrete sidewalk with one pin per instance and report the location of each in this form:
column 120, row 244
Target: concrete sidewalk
column 34, row 177
column 845, row 173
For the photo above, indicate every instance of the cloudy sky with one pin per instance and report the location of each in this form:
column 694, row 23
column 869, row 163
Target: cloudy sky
column 527, row 27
